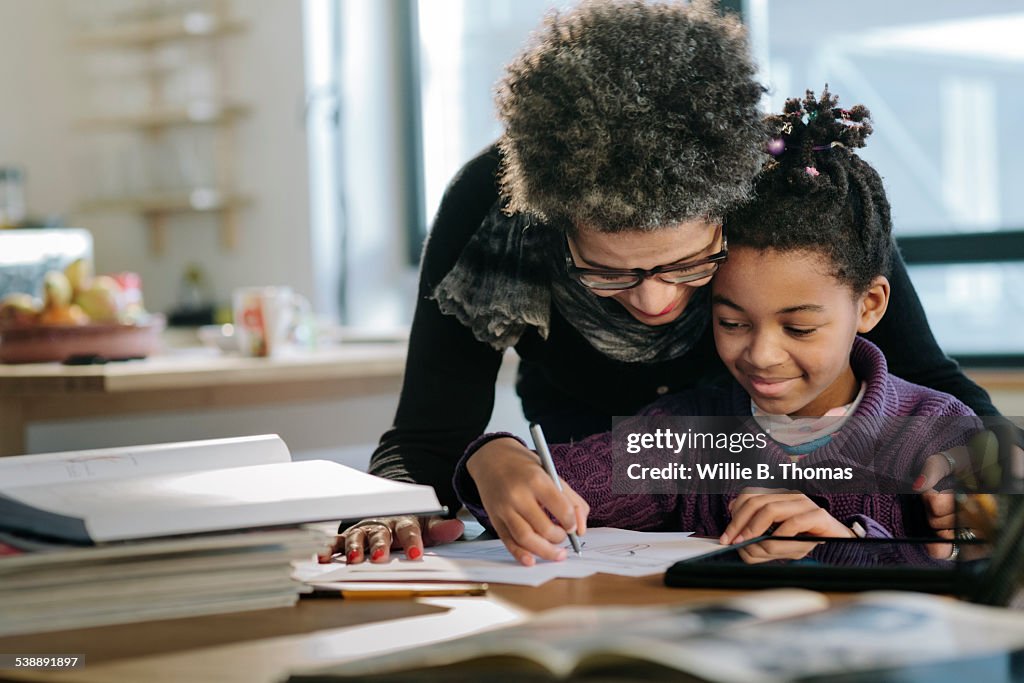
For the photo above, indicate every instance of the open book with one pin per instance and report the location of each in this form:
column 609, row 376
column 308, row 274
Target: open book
column 119, row 494
column 763, row 637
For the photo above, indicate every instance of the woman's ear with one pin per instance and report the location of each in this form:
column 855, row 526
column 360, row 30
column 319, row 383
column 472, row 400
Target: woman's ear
column 873, row 303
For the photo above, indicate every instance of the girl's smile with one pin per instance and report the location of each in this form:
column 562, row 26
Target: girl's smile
column 784, row 326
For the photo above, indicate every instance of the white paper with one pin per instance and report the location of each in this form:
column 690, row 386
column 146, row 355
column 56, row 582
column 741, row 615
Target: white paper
column 430, row 567
column 605, row 550
column 396, row 586
column 462, row 616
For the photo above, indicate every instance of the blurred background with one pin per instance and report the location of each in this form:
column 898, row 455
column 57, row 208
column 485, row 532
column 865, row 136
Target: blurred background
column 212, row 144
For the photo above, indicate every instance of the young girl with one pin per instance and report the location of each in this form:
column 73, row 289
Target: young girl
column 805, row 275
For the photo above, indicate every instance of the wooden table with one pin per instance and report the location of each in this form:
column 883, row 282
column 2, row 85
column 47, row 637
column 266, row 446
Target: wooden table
column 266, row 645
column 50, row 391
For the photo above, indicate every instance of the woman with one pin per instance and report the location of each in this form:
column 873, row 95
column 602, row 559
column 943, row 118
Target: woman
column 584, row 239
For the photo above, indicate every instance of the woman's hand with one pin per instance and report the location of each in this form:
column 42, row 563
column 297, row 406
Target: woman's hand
column 519, row 495
column 939, row 506
column 792, row 514
column 374, row 538
column 976, row 466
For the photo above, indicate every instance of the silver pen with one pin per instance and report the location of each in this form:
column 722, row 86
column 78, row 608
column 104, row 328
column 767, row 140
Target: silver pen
column 541, row 444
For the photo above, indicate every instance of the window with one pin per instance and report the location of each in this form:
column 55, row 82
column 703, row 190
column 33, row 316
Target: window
column 464, row 47
column 399, row 96
column 942, row 80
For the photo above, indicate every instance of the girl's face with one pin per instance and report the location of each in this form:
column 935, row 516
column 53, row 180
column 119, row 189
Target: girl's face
column 652, row 302
column 784, row 327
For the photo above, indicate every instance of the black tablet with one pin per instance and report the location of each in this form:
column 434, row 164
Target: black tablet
column 840, row 564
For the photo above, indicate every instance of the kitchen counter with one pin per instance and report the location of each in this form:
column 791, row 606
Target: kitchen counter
column 190, row 379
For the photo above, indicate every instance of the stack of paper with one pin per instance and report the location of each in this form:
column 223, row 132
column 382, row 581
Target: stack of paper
column 60, row 587
column 128, row 534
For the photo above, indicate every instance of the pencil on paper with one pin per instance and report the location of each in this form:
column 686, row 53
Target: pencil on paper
column 393, row 591
column 541, row 444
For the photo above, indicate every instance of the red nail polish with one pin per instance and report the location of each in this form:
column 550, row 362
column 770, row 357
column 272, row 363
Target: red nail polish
column 352, row 556
column 377, row 554
column 919, row 482
column 414, row 553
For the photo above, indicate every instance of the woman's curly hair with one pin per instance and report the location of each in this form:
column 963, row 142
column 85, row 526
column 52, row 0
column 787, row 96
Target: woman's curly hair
column 817, row 194
column 631, row 115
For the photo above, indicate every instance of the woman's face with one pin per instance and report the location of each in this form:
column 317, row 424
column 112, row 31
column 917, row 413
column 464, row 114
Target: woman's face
column 652, row 302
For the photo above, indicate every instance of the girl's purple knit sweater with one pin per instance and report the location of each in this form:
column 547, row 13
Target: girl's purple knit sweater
column 587, row 466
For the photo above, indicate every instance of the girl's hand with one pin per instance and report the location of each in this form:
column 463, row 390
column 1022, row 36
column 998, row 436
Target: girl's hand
column 520, row 499
column 374, row 538
column 792, row 514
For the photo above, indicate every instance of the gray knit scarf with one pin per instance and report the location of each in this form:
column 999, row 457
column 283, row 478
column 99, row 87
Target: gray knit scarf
column 513, row 269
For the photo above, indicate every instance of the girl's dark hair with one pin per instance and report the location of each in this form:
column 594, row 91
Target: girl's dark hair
column 816, row 194
column 631, row 115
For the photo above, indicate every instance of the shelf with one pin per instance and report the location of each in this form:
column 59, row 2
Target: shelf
column 157, row 207
column 145, row 34
column 149, row 33
column 196, row 113
column 196, row 201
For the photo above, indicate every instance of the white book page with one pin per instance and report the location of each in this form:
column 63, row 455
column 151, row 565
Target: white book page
column 560, row 638
column 233, row 498
column 133, row 461
column 874, row 631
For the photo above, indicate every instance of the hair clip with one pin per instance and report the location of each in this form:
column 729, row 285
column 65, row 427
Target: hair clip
column 776, row 146
column 831, row 145
column 811, row 171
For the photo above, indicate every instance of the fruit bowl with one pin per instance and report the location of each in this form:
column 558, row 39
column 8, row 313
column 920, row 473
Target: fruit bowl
column 108, row 341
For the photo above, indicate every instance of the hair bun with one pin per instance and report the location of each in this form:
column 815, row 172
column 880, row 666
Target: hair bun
column 812, row 125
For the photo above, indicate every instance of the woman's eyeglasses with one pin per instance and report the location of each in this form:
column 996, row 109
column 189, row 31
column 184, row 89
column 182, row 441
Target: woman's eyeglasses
column 673, row 274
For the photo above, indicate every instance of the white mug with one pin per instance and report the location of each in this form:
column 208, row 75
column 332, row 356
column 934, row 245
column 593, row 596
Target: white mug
column 265, row 316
